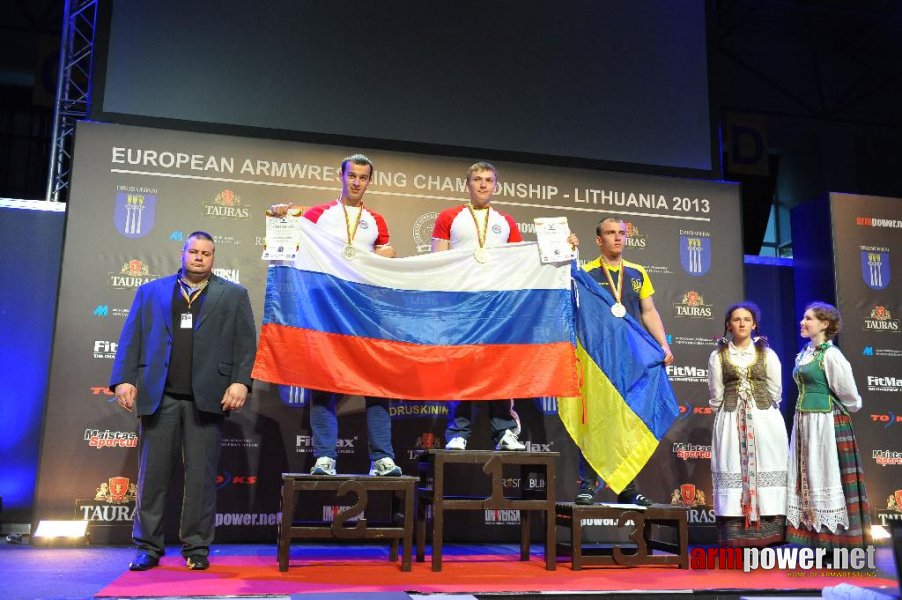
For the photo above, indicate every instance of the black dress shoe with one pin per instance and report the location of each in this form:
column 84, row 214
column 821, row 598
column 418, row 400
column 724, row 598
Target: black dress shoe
column 197, row 562
column 143, row 561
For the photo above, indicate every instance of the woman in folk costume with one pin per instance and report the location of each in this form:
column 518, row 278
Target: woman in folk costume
column 749, row 451
column 828, row 504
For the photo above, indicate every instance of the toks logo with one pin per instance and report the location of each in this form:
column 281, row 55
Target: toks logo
column 225, row 479
column 692, row 306
column 887, row 419
column 227, row 205
column 688, row 409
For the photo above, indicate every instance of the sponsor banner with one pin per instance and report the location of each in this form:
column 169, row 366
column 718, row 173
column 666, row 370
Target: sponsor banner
column 866, row 246
column 137, row 193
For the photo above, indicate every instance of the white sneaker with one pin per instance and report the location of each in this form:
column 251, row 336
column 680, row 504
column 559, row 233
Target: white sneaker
column 456, row 443
column 324, row 466
column 509, row 441
column 385, row 467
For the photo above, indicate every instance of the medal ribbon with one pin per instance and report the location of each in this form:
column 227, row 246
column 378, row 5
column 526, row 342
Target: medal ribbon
column 617, row 290
column 480, row 234
column 351, row 232
column 184, row 287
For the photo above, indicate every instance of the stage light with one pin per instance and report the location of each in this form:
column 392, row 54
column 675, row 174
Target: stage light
column 61, row 533
column 879, row 534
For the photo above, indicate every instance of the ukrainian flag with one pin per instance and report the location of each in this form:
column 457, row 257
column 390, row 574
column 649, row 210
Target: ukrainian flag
column 626, row 404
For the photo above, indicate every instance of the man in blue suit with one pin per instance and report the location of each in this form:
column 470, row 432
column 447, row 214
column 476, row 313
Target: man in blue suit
column 183, row 364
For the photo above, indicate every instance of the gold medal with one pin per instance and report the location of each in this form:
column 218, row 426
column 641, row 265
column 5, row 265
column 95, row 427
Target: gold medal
column 618, row 310
column 480, row 255
column 350, row 252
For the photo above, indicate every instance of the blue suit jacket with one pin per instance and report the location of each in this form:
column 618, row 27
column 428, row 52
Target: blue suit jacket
column 223, row 351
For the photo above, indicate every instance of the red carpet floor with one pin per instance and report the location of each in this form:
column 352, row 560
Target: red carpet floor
column 473, row 573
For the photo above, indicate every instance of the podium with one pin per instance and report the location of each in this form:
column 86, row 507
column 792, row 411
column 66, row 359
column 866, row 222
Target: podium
column 348, row 487
column 487, row 464
column 572, row 515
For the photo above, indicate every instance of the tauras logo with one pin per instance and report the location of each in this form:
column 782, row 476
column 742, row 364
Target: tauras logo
column 113, row 502
column 131, row 275
column 893, row 511
column 634, row 239
column 881, row 320
column 692, row 306
column 227, row 204
column 105, row 513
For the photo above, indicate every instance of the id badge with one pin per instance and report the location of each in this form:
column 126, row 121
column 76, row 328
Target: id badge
column 187, row 321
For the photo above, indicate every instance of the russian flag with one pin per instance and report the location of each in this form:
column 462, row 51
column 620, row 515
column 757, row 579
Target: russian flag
column 626, row 404
column 434, row 327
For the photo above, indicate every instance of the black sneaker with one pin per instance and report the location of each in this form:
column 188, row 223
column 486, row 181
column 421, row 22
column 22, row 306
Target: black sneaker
column 586, row 494
column 632, row 495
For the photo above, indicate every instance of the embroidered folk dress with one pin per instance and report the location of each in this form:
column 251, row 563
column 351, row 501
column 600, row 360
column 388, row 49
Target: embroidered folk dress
column 822, row 510
column 749, row 450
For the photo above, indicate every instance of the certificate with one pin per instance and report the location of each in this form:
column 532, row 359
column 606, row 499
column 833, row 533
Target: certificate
column 552, row 234
column 282, row 238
